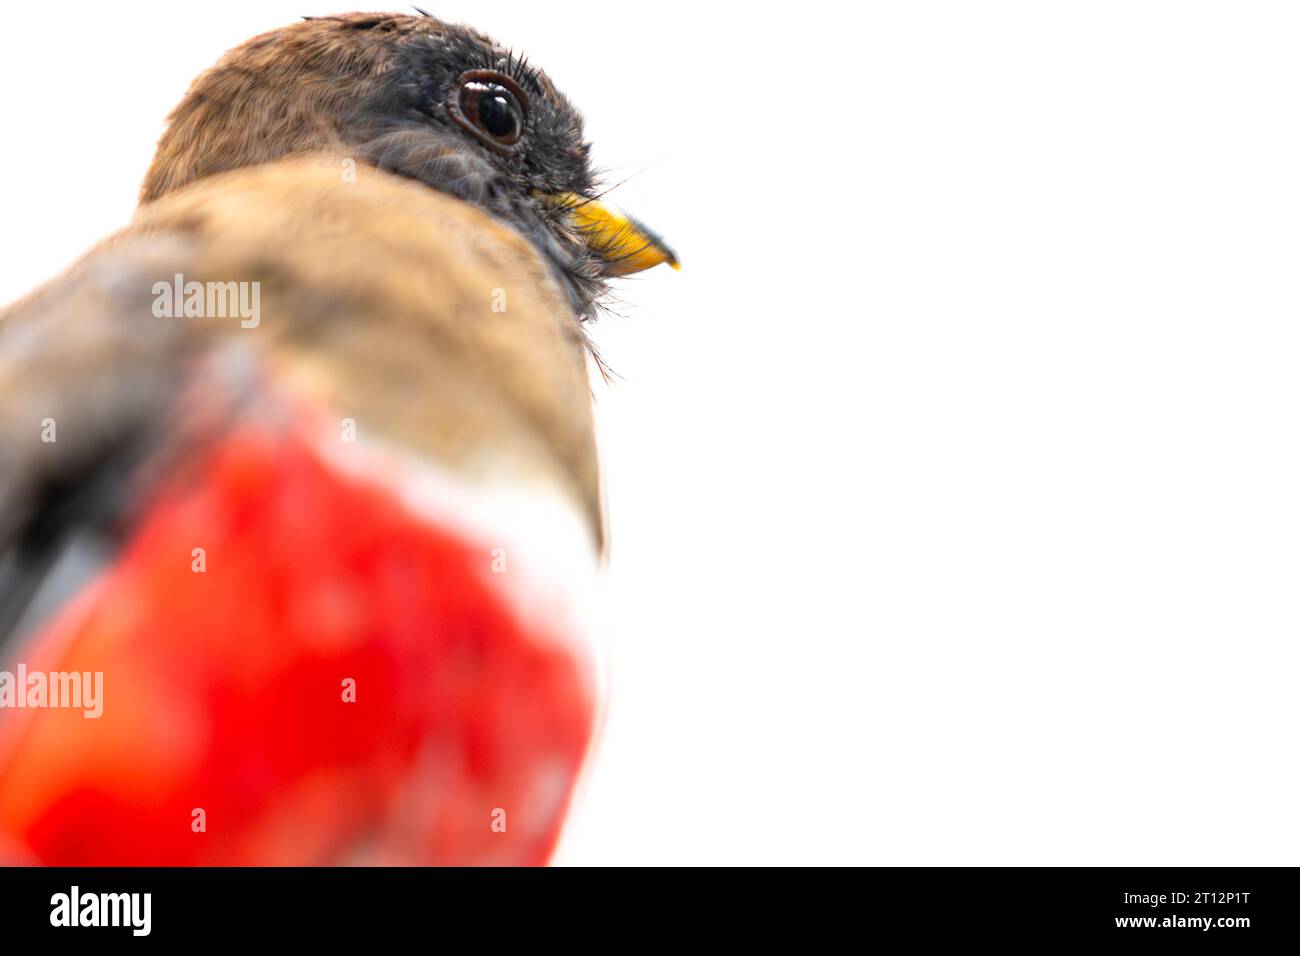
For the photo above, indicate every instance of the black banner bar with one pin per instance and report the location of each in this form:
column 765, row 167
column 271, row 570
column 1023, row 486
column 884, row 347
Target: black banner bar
column 1225, row 907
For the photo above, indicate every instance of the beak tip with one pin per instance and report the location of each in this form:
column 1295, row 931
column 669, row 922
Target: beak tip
column 669, row 256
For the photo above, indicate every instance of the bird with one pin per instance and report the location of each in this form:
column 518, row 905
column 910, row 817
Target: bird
column 300, row 502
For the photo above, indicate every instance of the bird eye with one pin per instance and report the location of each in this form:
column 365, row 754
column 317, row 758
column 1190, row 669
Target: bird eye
column 492, row 109
column 491, row 106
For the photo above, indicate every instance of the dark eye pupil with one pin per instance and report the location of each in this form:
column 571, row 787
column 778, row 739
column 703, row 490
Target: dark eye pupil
column 493, row 111
column 495, row 114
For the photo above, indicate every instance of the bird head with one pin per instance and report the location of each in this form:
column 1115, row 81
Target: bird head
column 439, row 103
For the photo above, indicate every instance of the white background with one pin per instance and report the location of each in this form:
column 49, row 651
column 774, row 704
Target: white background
column 954, row 483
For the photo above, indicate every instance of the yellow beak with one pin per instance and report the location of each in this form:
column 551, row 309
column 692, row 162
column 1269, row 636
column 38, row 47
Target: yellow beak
column 625, row 244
